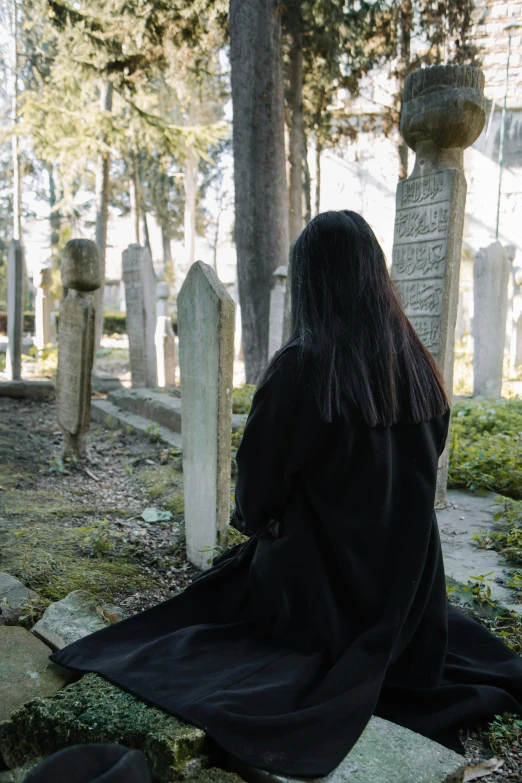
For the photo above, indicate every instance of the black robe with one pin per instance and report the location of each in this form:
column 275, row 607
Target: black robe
column 333, row 610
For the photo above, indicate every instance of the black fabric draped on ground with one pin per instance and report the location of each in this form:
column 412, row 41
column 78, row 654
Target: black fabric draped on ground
column 333, row 610
column 92, row 764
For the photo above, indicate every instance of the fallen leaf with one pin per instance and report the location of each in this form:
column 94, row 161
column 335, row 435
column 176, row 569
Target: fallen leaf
column 112, row 617
column 151, row 514
column 481, row 770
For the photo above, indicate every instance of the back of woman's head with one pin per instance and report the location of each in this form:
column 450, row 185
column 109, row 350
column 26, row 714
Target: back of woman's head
column 346, row 316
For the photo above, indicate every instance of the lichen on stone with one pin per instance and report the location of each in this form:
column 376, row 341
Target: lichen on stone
column 92, row 710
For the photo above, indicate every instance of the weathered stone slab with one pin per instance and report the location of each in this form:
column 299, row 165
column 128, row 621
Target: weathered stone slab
column 138, row 276
column 15, row 306
column 385, row 753
column 42, row 308
column 25, row 670
column 81, row 276
column 206, row 315
column 93, row 710
column 491, row 273
column 13, row 595
column 165, row 352
column 443, row 112
column 28, row 390
column 75, row 616
column 277, row 310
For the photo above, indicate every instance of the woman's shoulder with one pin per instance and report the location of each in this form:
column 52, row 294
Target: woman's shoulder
column 290, row 365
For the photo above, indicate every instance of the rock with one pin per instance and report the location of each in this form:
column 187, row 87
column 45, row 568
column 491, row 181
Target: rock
column 18, row 775
column 93, row 710
column 25, row 670
column 211, row 775
column 28, row 390
column 75, row 616
column 384, row 753
column 13, row 595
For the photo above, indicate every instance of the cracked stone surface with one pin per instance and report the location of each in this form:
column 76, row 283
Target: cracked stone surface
column 25, row 670
column 384, row 753
column 466, row 514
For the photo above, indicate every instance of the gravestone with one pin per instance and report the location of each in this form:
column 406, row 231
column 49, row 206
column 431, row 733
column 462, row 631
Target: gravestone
column 443, row 112
column 43, row 304
column 277, row 311
column 138, row 276
column 162, row 295
column 81, row 274
column 15, row 307
column 491, row 274
column 206, row 357
column 165, row 351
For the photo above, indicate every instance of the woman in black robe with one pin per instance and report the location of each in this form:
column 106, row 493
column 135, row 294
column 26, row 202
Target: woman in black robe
column 335, row 608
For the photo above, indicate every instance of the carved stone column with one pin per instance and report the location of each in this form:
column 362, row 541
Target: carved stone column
column 443, row 113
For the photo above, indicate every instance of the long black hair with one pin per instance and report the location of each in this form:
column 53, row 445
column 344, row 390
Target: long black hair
column 347, row 318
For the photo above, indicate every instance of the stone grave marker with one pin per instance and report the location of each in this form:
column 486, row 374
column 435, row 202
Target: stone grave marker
column 15, row 307
column 443, row 112
column 277, row 311
column 43, row 305
column 165, row 342
column 138, row 276
column 81, row 275
column 491, row 274
column 206, row 356
column 162, row 296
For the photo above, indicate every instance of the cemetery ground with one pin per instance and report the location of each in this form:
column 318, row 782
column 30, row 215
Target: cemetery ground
column 113, row 526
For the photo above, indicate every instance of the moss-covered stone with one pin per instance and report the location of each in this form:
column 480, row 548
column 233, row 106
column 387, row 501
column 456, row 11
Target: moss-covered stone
column 18, row 775
column 213, row 775
column 93, row 710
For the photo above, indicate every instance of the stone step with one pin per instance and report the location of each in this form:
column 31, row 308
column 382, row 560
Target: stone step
column 162, row 407
column 109, row 414
column 384, row 753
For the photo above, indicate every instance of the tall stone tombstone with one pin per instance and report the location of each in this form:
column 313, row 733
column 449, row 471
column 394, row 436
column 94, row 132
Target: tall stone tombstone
column 491, row 274
column 165, row 342
column 277, row 310
column 517, row 341
column 443, row 112
column 162, row 299
column 140, row 285
column 81, row 274
column 42, row 306
column 15, row 310
column 206, row 356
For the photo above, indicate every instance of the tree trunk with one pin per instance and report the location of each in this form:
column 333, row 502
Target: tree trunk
column 55, row 217
column 143, row 206
column 145, row 229
column 261, row 197
column 317, row 200
column 17, row 185
column 134, row 197
column 102, row 211
column 405, row 25
column 307, row 185
column 294, row 100
column 190, row 182
column 168, row 267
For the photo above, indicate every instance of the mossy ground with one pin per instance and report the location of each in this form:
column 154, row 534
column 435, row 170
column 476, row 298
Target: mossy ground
column 55, row 516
